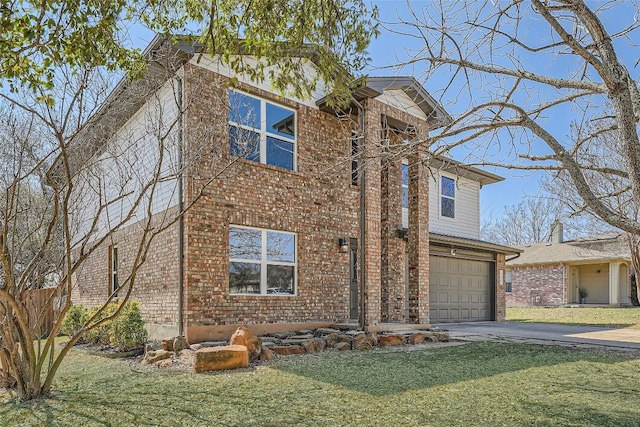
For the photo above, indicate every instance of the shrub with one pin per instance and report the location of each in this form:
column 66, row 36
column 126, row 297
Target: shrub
column 100, row 334
column 127, row 330
column 124, row 332
column 73, row 320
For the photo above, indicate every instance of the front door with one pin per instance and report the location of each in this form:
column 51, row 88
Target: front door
column 353, row 279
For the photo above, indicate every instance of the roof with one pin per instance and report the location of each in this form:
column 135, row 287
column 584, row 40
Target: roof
column 454, row 241
column 372, row 87
column 460, row 169
column 580, row 251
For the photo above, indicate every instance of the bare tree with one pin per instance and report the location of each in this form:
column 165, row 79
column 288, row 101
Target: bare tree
column 517, row 71
column 70, row 178
column 529, row 221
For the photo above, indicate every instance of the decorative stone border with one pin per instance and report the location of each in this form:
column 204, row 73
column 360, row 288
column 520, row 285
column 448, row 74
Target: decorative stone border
column 244, row 347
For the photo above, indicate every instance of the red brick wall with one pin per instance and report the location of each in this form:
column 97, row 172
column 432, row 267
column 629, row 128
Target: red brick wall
column 536, row 286
column 156, row 284
column 317, row 202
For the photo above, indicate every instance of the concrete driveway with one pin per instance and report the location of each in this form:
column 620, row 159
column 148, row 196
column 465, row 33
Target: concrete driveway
column 584, row 336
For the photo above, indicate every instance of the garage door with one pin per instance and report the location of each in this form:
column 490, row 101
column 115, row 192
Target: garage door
column 459, row 290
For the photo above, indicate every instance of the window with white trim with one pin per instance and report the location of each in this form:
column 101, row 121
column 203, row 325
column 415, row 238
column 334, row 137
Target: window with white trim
column 113, row 269
column 261, row 131
column 261, row 262
column 447, row 197
column 508, row 281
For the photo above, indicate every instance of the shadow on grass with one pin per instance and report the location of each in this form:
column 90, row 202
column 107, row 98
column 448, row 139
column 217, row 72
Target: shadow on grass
column 387, row 373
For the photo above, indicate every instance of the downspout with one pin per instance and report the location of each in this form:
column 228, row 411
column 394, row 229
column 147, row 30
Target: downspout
column 363, row 204
column 180, row 209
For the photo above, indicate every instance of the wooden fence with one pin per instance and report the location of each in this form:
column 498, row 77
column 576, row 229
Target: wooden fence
column 38, row 303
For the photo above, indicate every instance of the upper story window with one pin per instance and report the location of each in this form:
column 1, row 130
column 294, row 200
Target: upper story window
column 405, row 186
column 355, row 148
column 447, row 197
column 261, row 262
column 261, row 131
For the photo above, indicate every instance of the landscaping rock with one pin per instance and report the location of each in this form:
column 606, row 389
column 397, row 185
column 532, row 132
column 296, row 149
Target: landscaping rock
column 165, row 363
column 342, row 346
column 335, row 338
column 362, row 342
column 167, row 344
column 221, row 358
column 417, row 338
column 243, row 336
column 442, row 336
column 314, row 345
column 373, row 338
column 327, row 331
column 214, row 343
column 282, row 335
column 196, row 346
column 391, row 340
column 286, row 350
column 304, row 332
column 156, row 355
column 267, row 354
column 186, row 356
column 302, row 336
column 179, row 344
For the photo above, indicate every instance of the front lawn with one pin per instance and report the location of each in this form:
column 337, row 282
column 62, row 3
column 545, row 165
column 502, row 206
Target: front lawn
column 479, row 384
column 610, row 317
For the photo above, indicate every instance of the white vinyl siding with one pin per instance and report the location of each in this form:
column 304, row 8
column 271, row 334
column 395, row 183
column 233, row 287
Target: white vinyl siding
column 128, row 162
column 467, row 208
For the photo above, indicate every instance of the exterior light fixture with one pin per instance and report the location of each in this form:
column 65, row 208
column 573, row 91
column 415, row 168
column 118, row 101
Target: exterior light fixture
column 344, row 245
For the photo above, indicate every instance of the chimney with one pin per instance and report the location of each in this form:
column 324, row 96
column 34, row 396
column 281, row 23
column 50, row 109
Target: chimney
column 557, row 232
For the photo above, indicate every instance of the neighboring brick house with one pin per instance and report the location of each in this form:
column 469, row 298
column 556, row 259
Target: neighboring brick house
column 274, row 241
column 552, row 273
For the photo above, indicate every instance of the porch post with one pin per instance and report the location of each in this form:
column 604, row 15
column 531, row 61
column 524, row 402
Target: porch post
column 614, row 285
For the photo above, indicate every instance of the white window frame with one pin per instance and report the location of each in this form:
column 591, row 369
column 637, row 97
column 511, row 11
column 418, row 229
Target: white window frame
column 113, row 269
column 508, row 281
column 264, row 263
column 405, row 210
column 262, row 131
column 442, row 196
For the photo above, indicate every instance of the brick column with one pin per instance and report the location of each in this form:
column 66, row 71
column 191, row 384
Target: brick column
column 418, row 238
column 393, row 289
column 372, row 242
column 500, row 291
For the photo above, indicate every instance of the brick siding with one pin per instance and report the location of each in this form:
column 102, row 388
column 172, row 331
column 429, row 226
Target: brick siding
column 536, row 286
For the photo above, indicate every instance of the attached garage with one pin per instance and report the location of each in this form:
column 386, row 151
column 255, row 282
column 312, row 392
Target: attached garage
column 460, row 290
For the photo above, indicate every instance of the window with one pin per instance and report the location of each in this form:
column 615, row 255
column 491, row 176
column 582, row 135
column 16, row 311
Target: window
column 354, row 158
column 508, row 281
column 113, row 269
column 261, row 131
column 447, row 197
column 261, row 262
column 405, row 186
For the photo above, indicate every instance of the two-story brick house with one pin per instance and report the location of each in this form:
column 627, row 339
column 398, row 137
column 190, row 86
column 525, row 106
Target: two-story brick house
column 298, row 215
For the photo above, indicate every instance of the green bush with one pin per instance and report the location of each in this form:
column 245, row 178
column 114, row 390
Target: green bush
column 100, row 334
column 127, row 330
column 72, row 321
column 124, row 332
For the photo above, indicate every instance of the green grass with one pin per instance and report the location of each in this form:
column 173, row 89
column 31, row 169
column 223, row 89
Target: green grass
column 611, row 317
column 479, row 384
